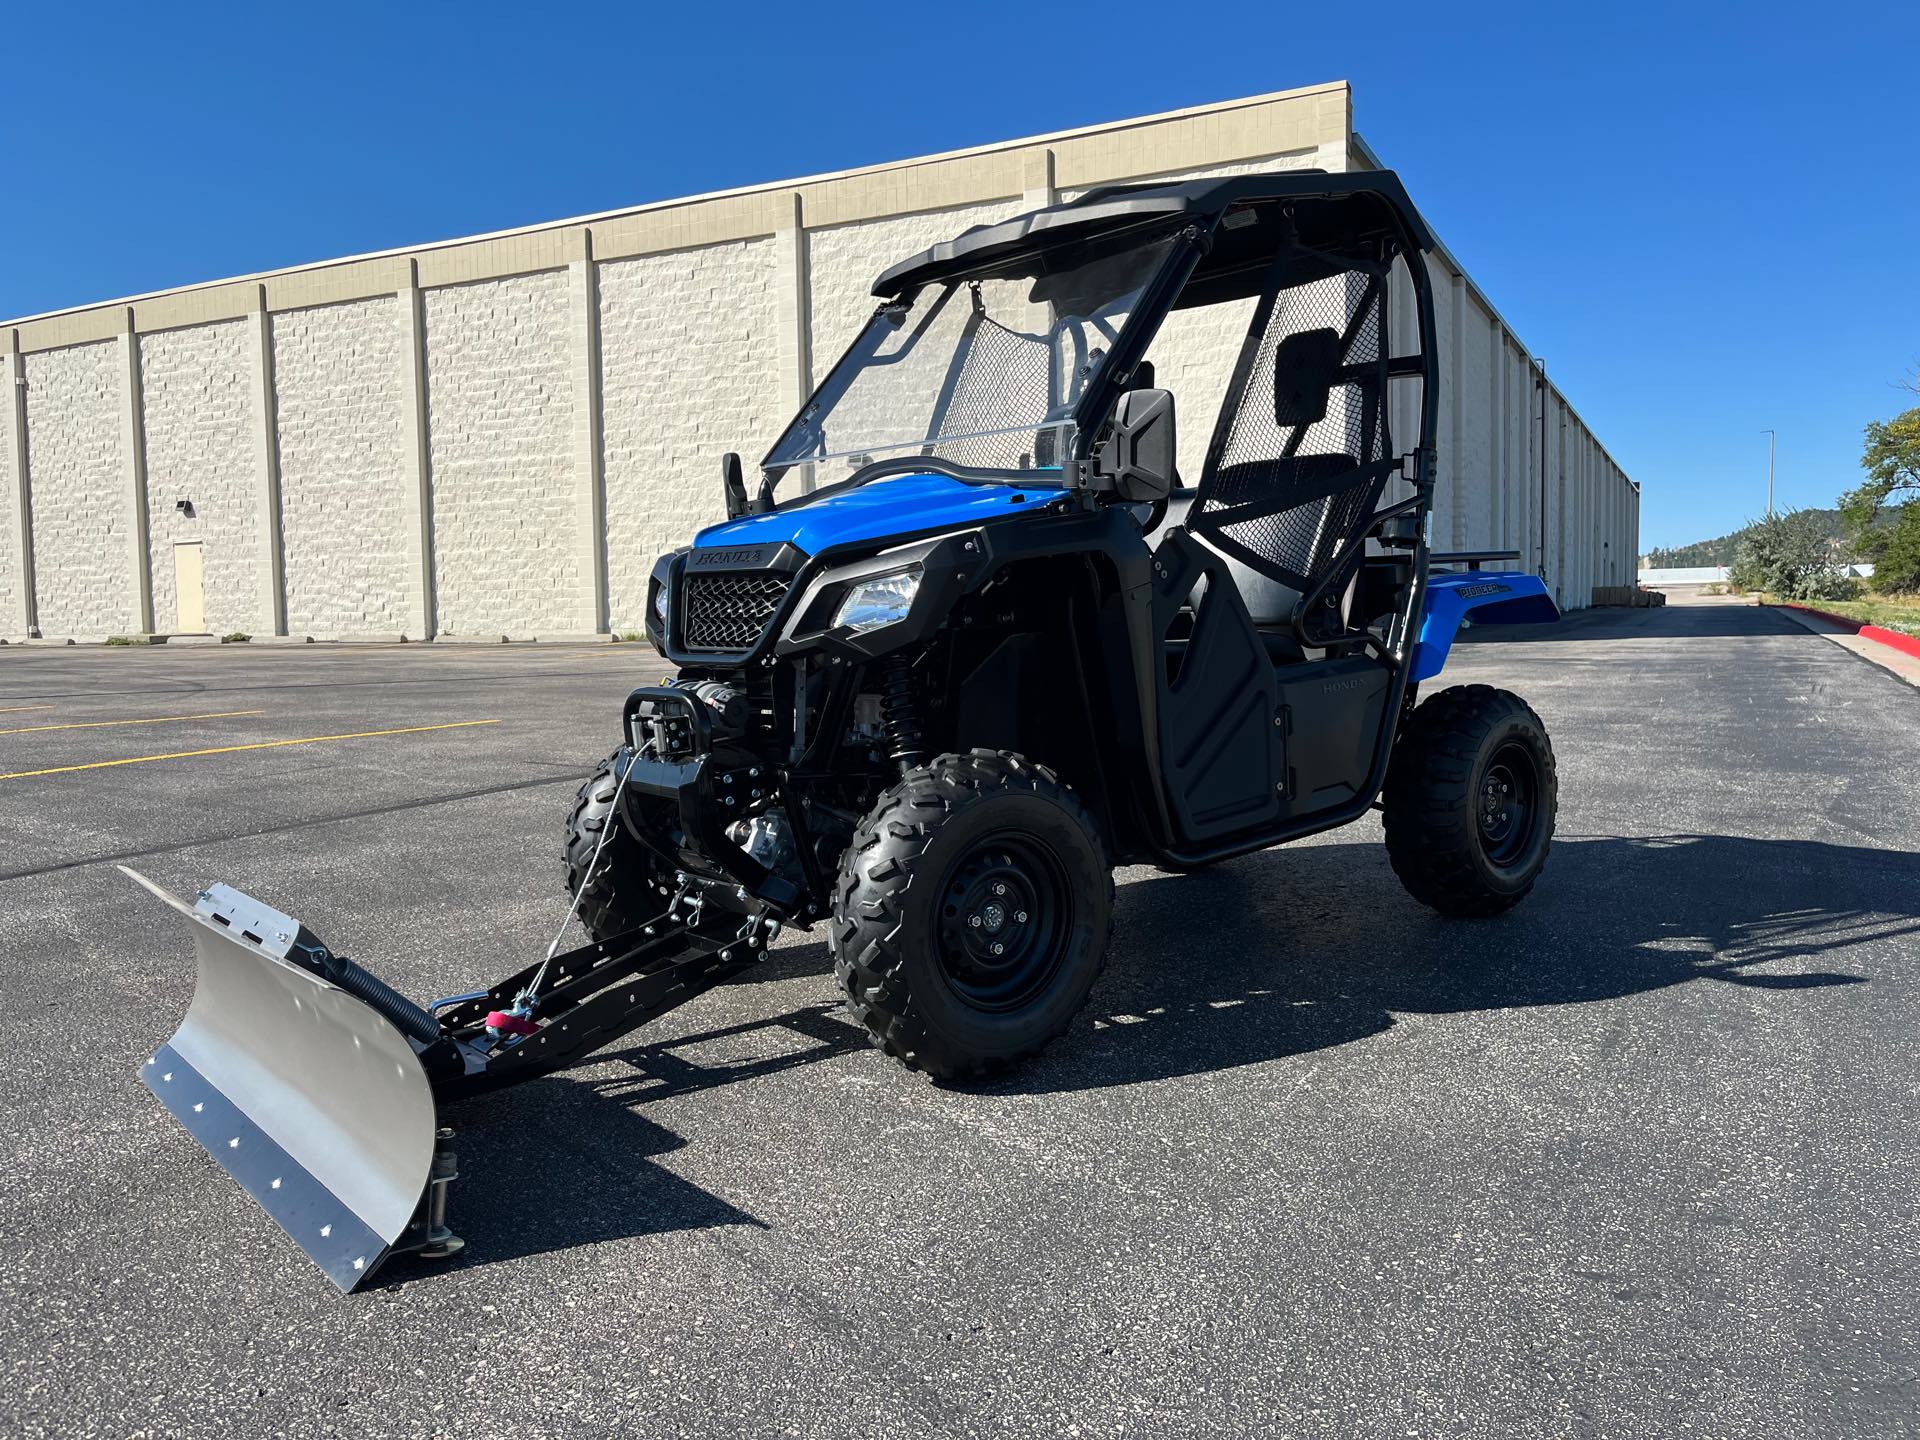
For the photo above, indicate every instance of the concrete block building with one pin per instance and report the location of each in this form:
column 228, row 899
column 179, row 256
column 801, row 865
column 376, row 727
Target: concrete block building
column 494, row 436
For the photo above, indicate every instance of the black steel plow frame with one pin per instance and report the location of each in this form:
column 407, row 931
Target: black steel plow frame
column 591, row 997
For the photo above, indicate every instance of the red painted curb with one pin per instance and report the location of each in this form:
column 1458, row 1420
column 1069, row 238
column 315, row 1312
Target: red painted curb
column 1905, row 644
column 1892, row 639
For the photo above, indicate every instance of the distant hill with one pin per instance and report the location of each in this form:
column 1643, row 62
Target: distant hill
column 1720, row 551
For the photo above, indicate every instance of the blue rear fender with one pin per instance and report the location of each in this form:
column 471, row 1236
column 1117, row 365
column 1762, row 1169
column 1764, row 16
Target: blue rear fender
column 1481, row 597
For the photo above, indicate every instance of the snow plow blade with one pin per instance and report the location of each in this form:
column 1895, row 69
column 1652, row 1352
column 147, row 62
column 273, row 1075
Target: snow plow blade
column 309, row 1096
column 315, row 1084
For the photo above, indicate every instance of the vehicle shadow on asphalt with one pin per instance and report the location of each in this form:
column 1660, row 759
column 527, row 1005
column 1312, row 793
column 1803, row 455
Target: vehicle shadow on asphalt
column 556, row 1165
column 1296, row 950
column 568, row 1161
column 1311, row 946
column 1278, row 954
column 797, row 1038
column 1683, row 622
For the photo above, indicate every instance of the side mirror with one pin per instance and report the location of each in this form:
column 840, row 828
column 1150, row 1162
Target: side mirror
column 1136, row 460
column 733, row 485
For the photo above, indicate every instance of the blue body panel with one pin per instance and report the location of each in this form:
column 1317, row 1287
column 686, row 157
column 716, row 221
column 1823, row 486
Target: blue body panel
column 1489, row 597
column 891, row 505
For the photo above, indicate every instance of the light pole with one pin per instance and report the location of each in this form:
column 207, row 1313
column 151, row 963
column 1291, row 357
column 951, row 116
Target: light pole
column 1769, row 435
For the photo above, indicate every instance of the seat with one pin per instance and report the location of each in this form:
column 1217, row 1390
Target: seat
column 1268, row 602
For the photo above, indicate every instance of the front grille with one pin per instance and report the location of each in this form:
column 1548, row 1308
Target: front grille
column 729, row 612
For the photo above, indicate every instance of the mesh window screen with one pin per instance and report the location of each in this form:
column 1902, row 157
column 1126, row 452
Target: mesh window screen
column 999, row 375
column 1287, row 497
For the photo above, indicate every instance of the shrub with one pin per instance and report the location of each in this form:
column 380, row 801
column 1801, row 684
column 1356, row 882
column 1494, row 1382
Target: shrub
column 238, row 637
column 119, row 640
column 1787, row 555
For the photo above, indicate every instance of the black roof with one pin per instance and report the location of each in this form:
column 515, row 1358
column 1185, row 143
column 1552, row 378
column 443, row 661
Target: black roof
column 1361, row 205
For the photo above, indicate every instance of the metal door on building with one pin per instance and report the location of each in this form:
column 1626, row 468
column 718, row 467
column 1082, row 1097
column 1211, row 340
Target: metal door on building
column 189, row 588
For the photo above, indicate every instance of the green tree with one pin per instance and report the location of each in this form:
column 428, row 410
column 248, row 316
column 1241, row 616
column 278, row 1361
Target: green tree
column 1883, row 514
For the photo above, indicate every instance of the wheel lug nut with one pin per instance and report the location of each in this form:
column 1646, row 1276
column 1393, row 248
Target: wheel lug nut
column 998, row 947
column 974, row 920
column 1019, row 917
column 998, row 888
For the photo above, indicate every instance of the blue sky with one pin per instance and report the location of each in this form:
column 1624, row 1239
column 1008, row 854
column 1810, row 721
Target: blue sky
column 1706, row 220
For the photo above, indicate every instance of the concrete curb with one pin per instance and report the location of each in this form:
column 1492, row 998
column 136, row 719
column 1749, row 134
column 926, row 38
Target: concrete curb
column 1850, row 635
column 1905, row 644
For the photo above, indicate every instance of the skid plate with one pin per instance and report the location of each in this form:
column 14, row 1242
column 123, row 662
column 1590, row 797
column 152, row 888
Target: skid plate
column 305, row 1095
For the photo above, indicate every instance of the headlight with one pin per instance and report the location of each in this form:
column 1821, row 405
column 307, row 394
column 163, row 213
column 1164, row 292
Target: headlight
column 879, row 601
column 660, row 605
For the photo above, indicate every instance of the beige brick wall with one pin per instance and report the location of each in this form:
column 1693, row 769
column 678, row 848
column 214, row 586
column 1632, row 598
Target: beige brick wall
column 460, row 491
column 81, row 509
column 688, row 355
column 500, row 409
column 200, row 447
column 843, row 263
column 1489, row 464
column 339, row 384
column 12, row 616
column 1446, row 469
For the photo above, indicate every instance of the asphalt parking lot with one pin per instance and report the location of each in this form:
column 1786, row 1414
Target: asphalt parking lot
column 1637, row 1159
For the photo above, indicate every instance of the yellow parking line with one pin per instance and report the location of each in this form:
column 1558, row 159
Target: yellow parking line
column 103, row 724
column 16, row 709
column 229, row 749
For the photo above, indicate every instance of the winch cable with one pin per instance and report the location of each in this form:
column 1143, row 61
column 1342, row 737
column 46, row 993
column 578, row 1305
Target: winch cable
column 523, row 1003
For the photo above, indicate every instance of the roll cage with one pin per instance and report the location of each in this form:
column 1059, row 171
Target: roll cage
column 1273, row 495
column 1333, row 220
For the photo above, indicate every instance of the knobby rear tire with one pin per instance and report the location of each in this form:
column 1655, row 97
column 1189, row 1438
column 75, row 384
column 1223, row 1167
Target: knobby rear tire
column 1443, row 799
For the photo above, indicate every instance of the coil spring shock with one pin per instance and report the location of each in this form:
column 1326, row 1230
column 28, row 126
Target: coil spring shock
column 897, row 712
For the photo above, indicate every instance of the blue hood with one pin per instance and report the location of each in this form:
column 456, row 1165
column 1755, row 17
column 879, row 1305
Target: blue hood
column 891, row 505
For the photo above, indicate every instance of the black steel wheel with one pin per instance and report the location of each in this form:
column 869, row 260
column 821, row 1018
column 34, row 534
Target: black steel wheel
column 1005, row 920
column 972, row 913
column 1471, row 800
column 1509, row 802
column 623, row 892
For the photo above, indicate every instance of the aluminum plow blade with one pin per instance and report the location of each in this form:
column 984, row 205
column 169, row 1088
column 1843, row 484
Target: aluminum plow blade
column 303, row 1093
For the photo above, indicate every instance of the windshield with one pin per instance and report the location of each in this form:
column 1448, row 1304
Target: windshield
column 983, row 373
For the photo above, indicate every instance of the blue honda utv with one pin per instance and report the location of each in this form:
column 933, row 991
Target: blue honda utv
column 972, row 641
